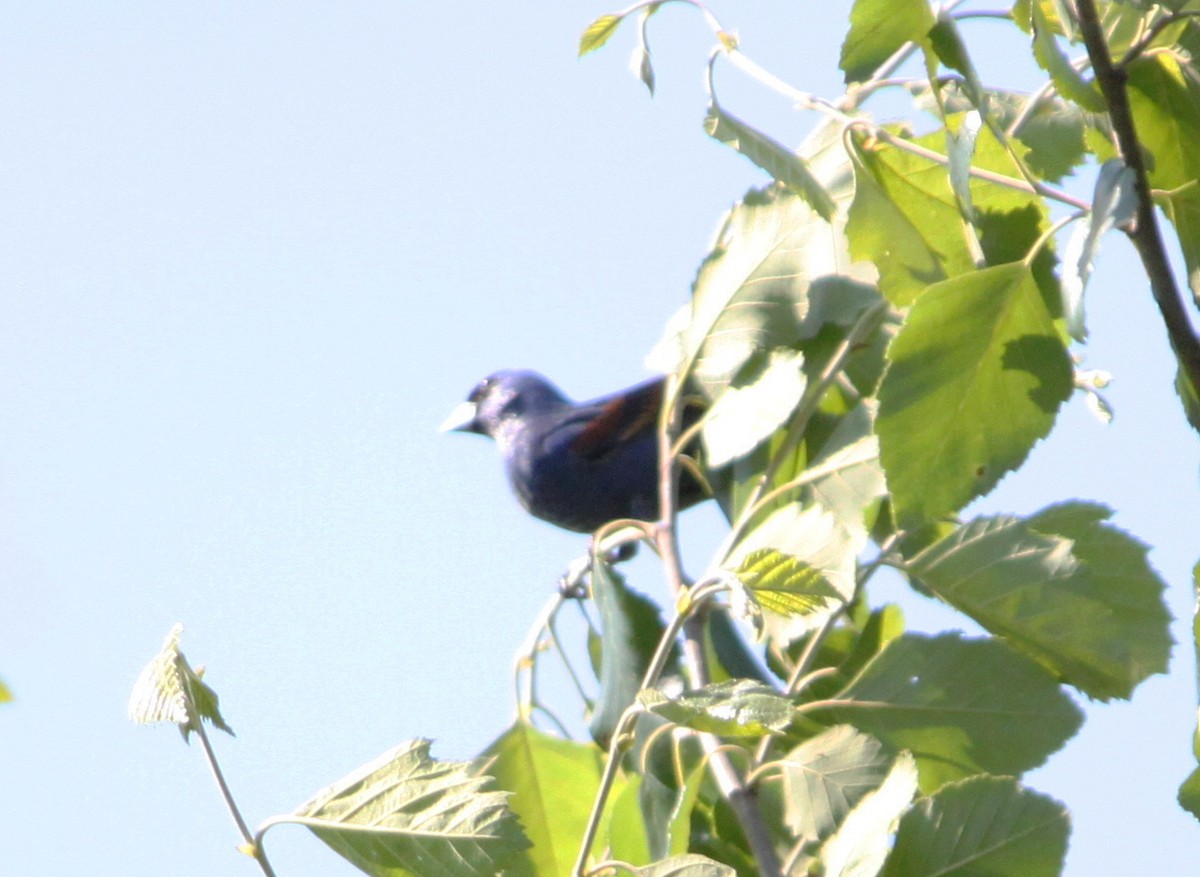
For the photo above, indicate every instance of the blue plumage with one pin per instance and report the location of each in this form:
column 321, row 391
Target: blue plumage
column 576, row 465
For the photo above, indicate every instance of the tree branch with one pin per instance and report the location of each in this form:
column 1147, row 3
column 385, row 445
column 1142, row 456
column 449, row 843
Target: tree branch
column 1145, row 235
column 741, row 798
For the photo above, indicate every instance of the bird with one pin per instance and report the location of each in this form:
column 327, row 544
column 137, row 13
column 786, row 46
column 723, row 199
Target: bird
column 577, row 465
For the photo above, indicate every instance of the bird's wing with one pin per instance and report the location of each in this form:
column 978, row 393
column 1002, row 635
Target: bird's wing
column 619, row 420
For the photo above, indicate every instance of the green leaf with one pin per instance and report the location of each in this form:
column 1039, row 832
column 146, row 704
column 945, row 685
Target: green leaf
column 878, row 28
column 752, row 292
column 169, row 690
column 882, row 626
column 743, row 416
column 950, row 48
column 679, row 829
column 1189, row 398
column 910, row 226
column 826, row 776
column 1069, row 82
column 598, row 33
column 812, row 536
column 735, row 708
column 1196, row 645
column 1114, row 203
column 961, row 150
column 690, row 865
column 1115, row 564
column 904, row 220
column 644, row 67
column 784, row 584
column 860, row 845
column 625, row 827
column 1051, row 131
column 981, row 827
column 728, row 654
column 782, row 163
column 961, row 706
column 1164, row 96
column 631, row 629
column 1183, row 209
column 845, row 477
column 1074, row 593
column 977, row 374
column 553, row 782
column 1189, row 793
column 1053, row 137
column 408, row 815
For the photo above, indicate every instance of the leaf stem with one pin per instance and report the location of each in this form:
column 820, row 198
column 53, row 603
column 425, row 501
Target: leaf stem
column 742, row 800
column 252, row 844
column 698, row 595
column 760, row 496
column 1135, row 51
column 526, row 662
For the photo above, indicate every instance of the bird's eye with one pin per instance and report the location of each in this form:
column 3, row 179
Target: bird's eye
column 513, row 406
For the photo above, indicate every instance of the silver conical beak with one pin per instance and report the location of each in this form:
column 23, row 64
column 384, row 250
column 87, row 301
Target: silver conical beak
column 462, row 418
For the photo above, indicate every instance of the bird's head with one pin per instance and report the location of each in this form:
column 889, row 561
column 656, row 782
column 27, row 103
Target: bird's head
column 502, row 401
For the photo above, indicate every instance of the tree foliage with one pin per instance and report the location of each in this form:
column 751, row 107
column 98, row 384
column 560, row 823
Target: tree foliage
column 881, row 332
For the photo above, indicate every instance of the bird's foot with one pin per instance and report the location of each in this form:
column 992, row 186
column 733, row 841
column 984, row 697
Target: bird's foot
column 573, row 584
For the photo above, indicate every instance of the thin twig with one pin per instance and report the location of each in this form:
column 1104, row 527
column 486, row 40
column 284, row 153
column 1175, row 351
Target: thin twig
column 526, row 661
column 699, row 594
column 811, row 648
column 1151, row 35
column 252, row 845
column 759, row 496
column 741, row 799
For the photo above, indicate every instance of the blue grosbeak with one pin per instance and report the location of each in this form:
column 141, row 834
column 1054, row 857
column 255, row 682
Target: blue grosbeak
column 576, row 465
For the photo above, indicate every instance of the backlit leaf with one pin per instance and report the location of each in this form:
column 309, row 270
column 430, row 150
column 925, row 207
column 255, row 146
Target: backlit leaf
column 169, row 690
column 784, row 584
column 1067, row 79
column 961, row 706
column 735, row 708
column 743, row 416
column 905, row 220
column 812, row 536
column 598, row 33
column 408, row 814
column 1164, row 96
column 977, row 374
column 751, row 293
column 1183, row 209
column 553, row 782
column 826, row 776
column 630, row 627
column 1114, row 203
column 981, row 826
column 878, row 28
column 861, row 843
column 690, row 865
column 784, row 164
column 950, row 48
column 1189, row 791
column 1072, row 592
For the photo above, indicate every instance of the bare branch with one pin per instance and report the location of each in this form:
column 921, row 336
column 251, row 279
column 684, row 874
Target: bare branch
column 1145, row 234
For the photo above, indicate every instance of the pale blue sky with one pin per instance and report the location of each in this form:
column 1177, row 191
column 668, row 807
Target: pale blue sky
column 251, row 254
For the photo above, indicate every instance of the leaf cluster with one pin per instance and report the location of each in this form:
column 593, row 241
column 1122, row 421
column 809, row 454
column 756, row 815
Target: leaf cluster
column 880, row 333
